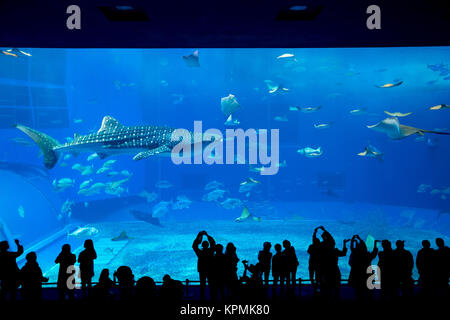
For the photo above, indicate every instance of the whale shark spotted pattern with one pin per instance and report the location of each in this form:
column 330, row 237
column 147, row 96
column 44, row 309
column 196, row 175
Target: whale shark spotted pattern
column 111, row 138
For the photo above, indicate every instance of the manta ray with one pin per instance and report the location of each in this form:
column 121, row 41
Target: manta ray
column 112, row 138
column 394, row 130
column 147, row 217
column 192, row 60
column 122, row 237
column 246, row 215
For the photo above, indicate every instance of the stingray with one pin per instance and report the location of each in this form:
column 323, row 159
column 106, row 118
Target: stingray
column 229, row 105
column 394, row 130
column 122, row 237
column 397, row 114
column 146, row 217
column 246, row 215
column 371, row 151
column 192, row 60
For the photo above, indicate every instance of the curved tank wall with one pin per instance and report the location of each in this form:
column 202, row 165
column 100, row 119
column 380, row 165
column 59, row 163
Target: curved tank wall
column 29, row 210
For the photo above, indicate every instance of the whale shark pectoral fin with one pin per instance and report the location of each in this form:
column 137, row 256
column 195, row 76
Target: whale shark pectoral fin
column 109, row 123
column 152, row 152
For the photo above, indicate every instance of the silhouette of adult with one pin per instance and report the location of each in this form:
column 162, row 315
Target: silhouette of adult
column 278, row 269
column 291, row 263
column 205, row 257
column 442, row 264
column 103, row 288
column 404, row 264
column 330, row 274
column 230, row 269
column 31, row 279
column 9, row 271
column 86, row 259
column 66, row 260
column 265, row 259
column 145, row 290
column 125, row 278
column 313, row 263
column 171, row 290
column 425, row 262
column 360, row 259
column 218, row 274
column 386, row 263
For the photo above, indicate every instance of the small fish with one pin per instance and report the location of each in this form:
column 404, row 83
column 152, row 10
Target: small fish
column 109, row 163
column 126, row 173
column 323, row 125
column 163, row 184
column 84, row 232
column 213, row 185
column 281, row 118
column 77, row 121
column 285, row 55
column 371, row 151
column 275, row 88
column 112, row 173
column 87, row 171
column 439, row 107
column 67, row 156
column 85, row 183
column 305, row 109
column 358, row 111
column 21, row 212
column 92, row 157
column 310, row 152
column 389, row 85
column 149, row 196
column 102, row 170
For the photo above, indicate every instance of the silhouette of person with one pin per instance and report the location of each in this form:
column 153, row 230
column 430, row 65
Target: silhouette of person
column 66, row 260
column 278, row 269
column 425, row 263
column 146, row 290
column 125, row 277
column 313, row 263
column 230, row 276
column 218, row 273
column 31, row 279
column 404, row 264
column 103, row 288
column 205, row 257
column 386, row 263
column 360, row 259
column 442, row 267
column 171, row 290
column 9, row 271
column 252, row 284
column 265, row 259
column 330, row 274
column 86, row 259
column 291, row 263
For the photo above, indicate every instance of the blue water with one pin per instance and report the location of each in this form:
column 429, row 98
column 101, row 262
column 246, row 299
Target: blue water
column 66, row 91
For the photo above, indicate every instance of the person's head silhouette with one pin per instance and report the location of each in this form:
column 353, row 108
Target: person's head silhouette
column 219, row 249
column 65, row 248
column 4, row 246
column 426, row 244
column 400, row 244
column 278, row 247
column 89, row 244
column 440, row 242
column 31, row 257
column 267, row 246
column 286, row 244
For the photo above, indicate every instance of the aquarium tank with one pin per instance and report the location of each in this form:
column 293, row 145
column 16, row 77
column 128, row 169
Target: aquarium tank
column 138, row 149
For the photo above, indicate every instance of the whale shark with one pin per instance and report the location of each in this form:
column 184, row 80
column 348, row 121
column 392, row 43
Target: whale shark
column 112, row 138
column 394, row 130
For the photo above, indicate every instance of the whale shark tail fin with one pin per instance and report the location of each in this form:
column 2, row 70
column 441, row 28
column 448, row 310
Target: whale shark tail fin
column 45, row 143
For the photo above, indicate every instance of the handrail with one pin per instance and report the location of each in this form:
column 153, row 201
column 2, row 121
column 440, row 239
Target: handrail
column 299, row 281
